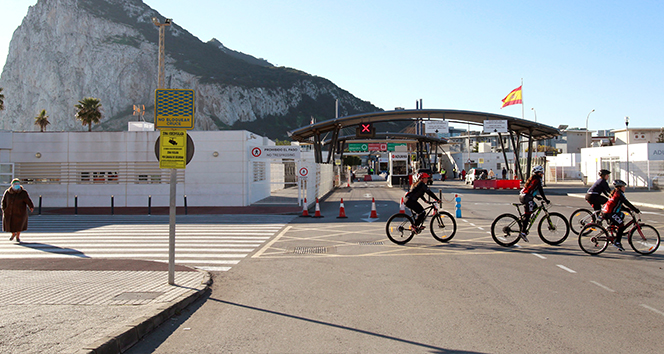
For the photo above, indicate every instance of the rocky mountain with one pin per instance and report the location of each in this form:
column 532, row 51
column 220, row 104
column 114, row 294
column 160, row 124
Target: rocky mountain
column 65, row 50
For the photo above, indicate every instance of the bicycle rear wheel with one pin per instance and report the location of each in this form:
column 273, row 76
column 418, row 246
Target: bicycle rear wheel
column 443, row 226
column 553, row 229
column 593, row 239
column 646, row 241
column 400, row 228
column 579, row 219
column 505, row 230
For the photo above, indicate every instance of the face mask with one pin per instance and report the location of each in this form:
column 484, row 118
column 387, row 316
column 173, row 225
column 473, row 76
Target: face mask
column 16, row 187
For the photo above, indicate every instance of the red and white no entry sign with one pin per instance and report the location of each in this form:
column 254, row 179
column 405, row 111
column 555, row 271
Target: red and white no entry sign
column 303, row 172
column 256, row 152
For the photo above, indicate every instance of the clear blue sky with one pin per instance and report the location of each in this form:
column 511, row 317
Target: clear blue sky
column 573, row 56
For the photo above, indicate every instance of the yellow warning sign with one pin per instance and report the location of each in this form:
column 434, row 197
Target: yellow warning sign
column 174, row 108
column 173, row 148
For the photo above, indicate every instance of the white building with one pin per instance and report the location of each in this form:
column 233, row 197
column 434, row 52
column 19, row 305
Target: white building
column 97, row 165
column 636, row 164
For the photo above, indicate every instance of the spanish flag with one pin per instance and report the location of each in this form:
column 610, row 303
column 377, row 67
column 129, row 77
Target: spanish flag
column 513, row 97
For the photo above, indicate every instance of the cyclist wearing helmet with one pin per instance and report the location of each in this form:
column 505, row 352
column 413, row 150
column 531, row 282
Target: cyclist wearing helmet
column 596, row 193
column 532, row 188
column 612, row 210
column 416, row 192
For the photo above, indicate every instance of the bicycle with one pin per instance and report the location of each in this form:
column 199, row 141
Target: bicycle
column 581, row 217
column 506, row 228
column 400, row 228
column 643, row 238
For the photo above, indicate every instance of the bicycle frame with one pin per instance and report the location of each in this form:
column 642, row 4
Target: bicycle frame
column 635, row 221
column 535, row 213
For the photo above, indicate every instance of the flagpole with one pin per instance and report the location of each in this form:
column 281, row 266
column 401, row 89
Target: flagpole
column 523, row 104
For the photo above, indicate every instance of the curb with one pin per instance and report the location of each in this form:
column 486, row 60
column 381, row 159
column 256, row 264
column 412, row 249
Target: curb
column 124, row 339
column 644, row 205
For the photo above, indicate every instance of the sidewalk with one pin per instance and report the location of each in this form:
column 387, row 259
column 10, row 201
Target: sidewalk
column 88, row 305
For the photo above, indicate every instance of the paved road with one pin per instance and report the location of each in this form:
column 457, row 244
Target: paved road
column 338, row 285
column 209, row 242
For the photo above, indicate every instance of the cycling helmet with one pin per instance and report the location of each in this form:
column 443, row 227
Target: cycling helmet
column 604, row 172
column 538, row 168
column 424, row 175
column 619, row 183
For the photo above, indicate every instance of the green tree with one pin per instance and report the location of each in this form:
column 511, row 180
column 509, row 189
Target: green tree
column 88, row 111
column 42, row 120
column 2, row 100
column 352, row 160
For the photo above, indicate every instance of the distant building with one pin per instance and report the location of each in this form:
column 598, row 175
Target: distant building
column 637, row 135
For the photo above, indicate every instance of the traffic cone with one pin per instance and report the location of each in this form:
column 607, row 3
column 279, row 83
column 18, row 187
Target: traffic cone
column 402, row 207
column 305, row 211
column 317, row 213
column 373, row 209
column 342, row 210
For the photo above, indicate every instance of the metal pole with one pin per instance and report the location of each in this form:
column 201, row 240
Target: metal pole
column 149, row 205
column 530, row 152
column 185, row 205
column 171, row 228
column 40, row 204
column 75, row 205
column 112, row 205
column 627, row 132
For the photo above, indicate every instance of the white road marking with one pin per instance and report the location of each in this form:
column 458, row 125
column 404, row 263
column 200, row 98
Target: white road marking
column 464, row 220
column 517, row 246
column 471, row 224
column 481, row 228
column 565, row 268
column 603, row 286
column 652, row 309
column 538, row 255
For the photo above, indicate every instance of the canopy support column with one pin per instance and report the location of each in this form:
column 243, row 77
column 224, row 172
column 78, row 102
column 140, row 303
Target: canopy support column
column 530, row 151
column 333, row 145
column 502, row 147
column 517, row 163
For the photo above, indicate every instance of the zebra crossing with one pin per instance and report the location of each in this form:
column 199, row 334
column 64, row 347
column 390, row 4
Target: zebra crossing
column 209, row 242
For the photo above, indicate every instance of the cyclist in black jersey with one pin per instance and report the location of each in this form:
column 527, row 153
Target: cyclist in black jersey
column 597, row 194
column 532, row 188
column 417, row 191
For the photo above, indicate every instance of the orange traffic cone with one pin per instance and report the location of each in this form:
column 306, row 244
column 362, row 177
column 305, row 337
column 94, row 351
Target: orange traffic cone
column 402, row 207
column 373, row 209
column 317, row 213
column 342, row 210
column 305, row 211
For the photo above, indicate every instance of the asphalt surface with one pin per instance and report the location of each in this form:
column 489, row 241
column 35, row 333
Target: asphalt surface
column 331, row 285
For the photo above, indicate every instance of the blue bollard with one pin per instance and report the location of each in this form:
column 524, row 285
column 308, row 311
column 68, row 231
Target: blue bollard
column 457, row 199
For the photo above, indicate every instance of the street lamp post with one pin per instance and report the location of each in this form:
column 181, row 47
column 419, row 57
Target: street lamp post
column 627, row 132
column 588, row 116
column 162, row 53
column 534, row 111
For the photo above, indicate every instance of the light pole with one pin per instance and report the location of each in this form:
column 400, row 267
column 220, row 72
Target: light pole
column 627, row 132
column 588, row 116
column 534, row 111
column 162, row 52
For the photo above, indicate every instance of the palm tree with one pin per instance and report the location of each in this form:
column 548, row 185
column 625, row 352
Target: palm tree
column 88, row 111
column 42, row 120
column 2, row 100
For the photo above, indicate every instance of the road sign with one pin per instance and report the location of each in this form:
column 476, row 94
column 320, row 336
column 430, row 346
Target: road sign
column 437, row 127
column 495, row 126
column 363, row 147
column 275, row 152
column 189, row 149
column 174, row 109
column 173, row 149
column 303, row 173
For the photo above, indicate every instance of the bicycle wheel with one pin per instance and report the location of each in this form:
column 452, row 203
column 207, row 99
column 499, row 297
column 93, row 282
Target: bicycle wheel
column 579, row 219
column 400, row 228
column 646, row 241
column 553, row 228
column 443, row 226
column 505, row 230
column 593, row 239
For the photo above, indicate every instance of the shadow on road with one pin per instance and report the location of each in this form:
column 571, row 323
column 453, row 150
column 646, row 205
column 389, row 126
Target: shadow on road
column 53, row 249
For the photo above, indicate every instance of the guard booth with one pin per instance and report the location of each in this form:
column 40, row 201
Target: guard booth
column 398, row 164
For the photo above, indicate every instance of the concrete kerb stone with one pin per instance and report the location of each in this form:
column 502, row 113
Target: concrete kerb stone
column 124, row 339
column 639, row 204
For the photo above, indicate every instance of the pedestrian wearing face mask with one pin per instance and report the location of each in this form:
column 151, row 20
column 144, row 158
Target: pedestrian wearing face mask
column 14, row 213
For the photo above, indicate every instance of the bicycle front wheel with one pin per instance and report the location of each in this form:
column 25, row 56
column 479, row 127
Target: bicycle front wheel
column 553, row 229
column 644, row 241
column 593, row 239
column 579, row 219
column 506, row 229
column 443, row 226
column 400, row 228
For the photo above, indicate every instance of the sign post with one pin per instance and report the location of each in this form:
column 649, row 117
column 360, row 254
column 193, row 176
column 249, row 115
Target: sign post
column 174, row 114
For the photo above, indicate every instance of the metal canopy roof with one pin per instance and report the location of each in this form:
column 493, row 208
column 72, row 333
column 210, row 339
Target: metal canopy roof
column 520, row 126
column 393, row 136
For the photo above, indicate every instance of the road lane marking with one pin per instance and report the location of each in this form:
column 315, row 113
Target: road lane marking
column 481, row 228
column 565, row 268
column 652, row 309
column 538, row 255
column 471, row 224
column 603, row 286
column 269, row 244
column 464, row 220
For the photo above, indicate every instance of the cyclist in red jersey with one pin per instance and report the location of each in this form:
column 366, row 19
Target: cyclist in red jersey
column 612, row 210
column 532, row 188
